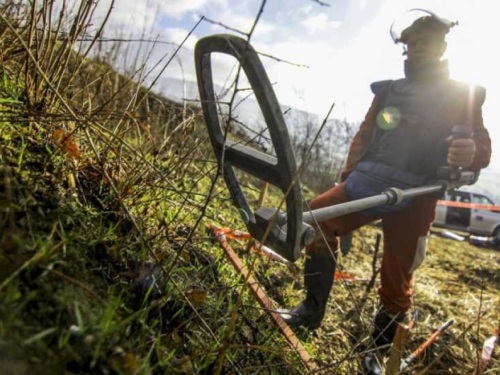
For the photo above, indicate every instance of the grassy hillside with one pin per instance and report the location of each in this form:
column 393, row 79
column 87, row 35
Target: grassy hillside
column 105, row 264
column 106, row 189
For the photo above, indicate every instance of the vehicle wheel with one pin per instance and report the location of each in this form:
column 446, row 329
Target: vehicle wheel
column 496, row 233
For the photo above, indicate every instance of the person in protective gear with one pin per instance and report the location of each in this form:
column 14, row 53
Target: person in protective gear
column 402, row 142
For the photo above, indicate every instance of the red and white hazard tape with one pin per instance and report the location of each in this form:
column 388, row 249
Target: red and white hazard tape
column 488, row 207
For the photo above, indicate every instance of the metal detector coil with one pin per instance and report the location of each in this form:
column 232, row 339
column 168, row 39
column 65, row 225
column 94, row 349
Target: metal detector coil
column 286, row 238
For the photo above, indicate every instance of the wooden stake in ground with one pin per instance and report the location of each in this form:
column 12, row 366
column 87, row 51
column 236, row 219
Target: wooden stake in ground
column 396, row 354
column 399, row 343
column 264, row 300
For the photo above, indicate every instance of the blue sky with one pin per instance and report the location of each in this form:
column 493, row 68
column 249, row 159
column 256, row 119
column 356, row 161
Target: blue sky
column 346, row 45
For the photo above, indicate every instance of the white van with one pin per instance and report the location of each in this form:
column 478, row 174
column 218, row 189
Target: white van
column 475, row 221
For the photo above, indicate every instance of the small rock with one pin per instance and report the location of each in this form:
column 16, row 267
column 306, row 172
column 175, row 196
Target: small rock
column 75, row 331
column 118, row 351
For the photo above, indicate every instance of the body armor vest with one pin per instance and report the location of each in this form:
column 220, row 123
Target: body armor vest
column 413, row 123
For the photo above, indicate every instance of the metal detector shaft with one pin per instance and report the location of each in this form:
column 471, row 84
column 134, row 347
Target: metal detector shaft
column 392, row 196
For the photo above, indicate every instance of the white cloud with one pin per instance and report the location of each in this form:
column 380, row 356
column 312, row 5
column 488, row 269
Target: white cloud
column 177, row 35
column 177, row 8
column 129, row 16
column 306, row 9
column 320, row 22
column 361, row 4
column 132, row 16
column 242, row 23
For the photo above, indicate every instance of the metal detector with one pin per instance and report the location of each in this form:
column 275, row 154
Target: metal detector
column 285, row 232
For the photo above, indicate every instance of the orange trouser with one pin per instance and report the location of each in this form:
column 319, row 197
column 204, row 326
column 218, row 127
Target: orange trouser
column 405, row 239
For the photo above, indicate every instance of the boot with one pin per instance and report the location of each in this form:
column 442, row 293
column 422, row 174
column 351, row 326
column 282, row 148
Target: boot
column 386, row 323
column 319, row 272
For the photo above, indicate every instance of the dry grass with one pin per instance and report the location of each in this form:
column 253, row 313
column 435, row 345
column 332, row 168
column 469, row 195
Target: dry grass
column 457, row 281
column 105, row 188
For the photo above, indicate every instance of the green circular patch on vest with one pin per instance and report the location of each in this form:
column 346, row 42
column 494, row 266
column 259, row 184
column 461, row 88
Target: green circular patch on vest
column 388, row 118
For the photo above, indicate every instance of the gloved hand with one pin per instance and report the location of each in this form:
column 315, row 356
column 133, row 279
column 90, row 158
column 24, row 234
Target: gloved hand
column 461, row 152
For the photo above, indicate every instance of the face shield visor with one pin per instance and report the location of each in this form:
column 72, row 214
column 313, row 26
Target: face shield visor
column 418, row 20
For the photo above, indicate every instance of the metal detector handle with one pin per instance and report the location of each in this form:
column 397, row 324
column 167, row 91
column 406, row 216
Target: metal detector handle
column 455, row 177
column 279, row 171
column 391, row 196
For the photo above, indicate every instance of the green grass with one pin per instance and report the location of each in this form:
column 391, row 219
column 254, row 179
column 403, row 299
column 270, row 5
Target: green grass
column 102, row 269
